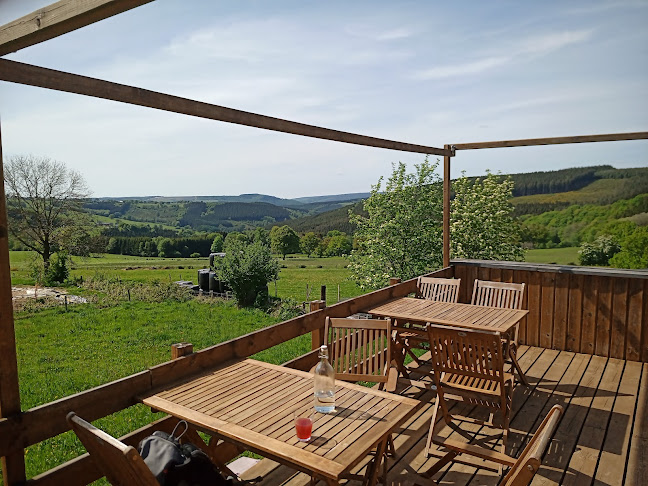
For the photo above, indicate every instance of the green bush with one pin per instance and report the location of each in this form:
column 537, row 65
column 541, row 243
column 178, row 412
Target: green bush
column 248, row 268
column 600, row 252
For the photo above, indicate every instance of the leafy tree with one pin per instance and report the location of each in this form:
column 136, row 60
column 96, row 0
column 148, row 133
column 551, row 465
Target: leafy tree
column 338, row 245
column 284, row 240
column 401, row 236
column 261, row 235
column 600, row 252
column 248, row 268
column 309, row 243
column 44, row 199
column 634, row 250
column 233, row 237
column 217, row 244
column 164, row 246
column 482, row 224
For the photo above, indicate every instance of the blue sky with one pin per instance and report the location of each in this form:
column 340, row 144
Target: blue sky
column 422, row 72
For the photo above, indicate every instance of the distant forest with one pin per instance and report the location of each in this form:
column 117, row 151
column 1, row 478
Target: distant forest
column 557, row 208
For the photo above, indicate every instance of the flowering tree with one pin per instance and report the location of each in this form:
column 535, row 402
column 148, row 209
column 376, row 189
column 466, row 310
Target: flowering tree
column 481, row 220
column 401, row 236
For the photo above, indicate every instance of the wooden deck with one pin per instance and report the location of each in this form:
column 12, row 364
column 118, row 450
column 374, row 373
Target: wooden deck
column 602, row 438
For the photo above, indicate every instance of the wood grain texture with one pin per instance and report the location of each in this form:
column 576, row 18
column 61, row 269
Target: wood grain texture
column 13, row 465
column 57, row 19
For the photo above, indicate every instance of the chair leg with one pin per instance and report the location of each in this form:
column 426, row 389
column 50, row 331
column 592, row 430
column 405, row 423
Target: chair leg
column 435, row 412
column 513, row 355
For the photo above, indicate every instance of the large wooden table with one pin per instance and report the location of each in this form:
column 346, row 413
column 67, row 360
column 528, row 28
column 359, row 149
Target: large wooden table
column 410, row 316
column 252, row 404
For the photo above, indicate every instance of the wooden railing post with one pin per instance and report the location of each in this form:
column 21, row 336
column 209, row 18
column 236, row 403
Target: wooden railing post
column 394, row 281
column 179, row 350
column 317, row 335
column 13, row 465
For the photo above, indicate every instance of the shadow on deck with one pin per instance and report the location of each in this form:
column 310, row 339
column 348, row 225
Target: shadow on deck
column 598, row 441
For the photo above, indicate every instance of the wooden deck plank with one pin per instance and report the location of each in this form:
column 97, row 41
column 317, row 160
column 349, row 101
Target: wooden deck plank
column 582, row 464
column 615, row 448
column 577, row 403
column 637, row 471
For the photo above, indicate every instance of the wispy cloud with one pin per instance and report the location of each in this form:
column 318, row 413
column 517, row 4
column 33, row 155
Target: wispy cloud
column 464, row 69
column 537, row 46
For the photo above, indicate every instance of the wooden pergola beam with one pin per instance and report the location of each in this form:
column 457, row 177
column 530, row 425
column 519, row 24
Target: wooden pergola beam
column 609, row 137
column 57, row 19
column 21, row 73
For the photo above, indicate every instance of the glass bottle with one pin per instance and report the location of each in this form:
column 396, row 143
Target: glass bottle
column 324, row 383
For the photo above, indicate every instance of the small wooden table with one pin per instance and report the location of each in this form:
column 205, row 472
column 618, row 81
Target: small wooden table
column 417, row 312
column 252, row 404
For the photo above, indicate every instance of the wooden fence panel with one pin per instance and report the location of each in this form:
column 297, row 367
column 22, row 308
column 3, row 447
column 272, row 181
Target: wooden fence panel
column 581, row 309
column 561, row 311
column 548, row 298
column 575, row 313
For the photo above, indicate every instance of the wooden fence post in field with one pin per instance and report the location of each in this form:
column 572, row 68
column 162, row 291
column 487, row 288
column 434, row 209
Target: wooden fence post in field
column 317, row 335
column 179, row 350
column 323, row 293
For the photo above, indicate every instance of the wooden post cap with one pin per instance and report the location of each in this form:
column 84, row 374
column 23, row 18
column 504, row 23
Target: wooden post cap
column 317, row 305
column 394, row 280
column 181, row 349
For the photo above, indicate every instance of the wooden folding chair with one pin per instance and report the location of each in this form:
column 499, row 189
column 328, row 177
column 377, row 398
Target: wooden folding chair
column 428, row 288
column 523, row 469
column 468, row 365
column 508, row 296
column 121, row 464
column 360, row 350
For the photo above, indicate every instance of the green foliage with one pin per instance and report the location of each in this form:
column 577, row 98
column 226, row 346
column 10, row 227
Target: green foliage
column 234, row 238
column 337, row 244
column 284, row 240
column 57, row 272
column 401, row 236
column 217, row 244
column 482, row 226
column 634, row 250
column 309, row 243
column 576, row 224
column 261, row 235
column 600, row 252
column 248, row 269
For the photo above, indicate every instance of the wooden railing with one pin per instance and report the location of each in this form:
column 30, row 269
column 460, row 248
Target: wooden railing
column 587, row 310
column 592, row 311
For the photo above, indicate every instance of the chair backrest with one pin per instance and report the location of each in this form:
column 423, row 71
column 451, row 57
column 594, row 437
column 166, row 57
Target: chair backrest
column 438, row 289
column 528, row 463
column 497, row 294
column 359, row 349
column 466, row 352
column 121, row 464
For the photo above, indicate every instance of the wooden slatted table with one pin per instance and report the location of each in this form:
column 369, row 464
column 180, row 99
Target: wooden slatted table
column 252, row 404
column 410, row 315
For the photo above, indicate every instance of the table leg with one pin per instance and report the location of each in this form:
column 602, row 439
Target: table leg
column 371, row 477
column 513, row 355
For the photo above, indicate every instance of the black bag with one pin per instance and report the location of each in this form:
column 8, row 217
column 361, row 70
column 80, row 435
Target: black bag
column 175, row 464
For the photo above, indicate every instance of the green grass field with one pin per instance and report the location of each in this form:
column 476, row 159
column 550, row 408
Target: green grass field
column 559, row 256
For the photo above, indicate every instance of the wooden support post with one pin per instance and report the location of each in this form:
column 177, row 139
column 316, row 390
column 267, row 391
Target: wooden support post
column 178, row 350
column 317, row 335
column 394, row 281
column 446, row 208
column 323, row 294
column 13, row 465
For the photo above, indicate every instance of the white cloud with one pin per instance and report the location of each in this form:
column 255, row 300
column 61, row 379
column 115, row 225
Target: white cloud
column 456, row 70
